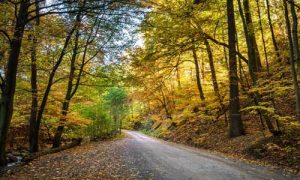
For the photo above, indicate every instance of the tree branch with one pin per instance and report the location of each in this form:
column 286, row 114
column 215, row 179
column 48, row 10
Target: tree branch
column 293, row 3
column 225, row 45
column 6, row 35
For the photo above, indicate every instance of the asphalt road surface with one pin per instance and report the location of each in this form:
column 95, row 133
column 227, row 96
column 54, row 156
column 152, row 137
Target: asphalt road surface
column 139, row 157
column 157, row 159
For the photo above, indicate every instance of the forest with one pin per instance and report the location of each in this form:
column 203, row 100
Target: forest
column 220, row 75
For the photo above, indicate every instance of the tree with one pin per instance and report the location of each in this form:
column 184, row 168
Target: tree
column 197, row 68
column 69, row 92
column 272, row 30
column 235, row 120
column 116, row 99
column 36, row 119
column 29, row 15
column 33, row 138
column 292, row 59
column 8, row 84
column 295, row 35
column 253, row 53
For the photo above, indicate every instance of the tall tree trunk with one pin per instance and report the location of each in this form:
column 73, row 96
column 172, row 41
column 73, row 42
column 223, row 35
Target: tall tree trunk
column 256, row 98
column 72, row 88
column 214, row 78
column 272, row 30
column 253, row 43
column 295, row 35
column 292, row 64
column 7, row 96
column 253, row 54
column 268, row 121
column 235, row 121
column 212, row 69
column 262, row 36
column 254, row 58
column 68, row 96
column 33, row 143
column 247, row 84
column 243, row 77
column 198, row 79
column 43, row 104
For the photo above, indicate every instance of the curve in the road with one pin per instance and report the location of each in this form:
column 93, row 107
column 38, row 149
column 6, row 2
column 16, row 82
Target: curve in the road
column 157, row 159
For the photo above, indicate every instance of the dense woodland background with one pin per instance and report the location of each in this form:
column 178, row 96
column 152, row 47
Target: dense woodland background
column 220, row 74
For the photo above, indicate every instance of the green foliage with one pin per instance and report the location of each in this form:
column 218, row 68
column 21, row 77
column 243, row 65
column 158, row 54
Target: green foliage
column 116, row 97
column 254, row 109
column 101, row 124
column 105, row 115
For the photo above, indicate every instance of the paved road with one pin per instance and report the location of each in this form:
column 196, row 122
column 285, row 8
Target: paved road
column 157, row 159
column 138, row 157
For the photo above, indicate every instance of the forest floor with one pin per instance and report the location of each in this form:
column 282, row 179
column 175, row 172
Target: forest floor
column 97, row 160
column 138, row 156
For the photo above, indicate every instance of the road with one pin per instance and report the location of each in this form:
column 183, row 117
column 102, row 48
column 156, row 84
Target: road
column 157, row 159
column 138, row 157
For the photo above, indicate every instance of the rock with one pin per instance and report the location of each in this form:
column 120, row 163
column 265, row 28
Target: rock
column 11, row 158
column 9, row 172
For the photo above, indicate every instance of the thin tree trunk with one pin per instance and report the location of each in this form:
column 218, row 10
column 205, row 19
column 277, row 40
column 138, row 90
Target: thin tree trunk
column 7, row 96
column 242, row 73
column 214, row 78
column 235, row 121
column 262, row 36
column 295, row 35
column 72, row 88
column 272, row 30
column 253, row 55
column 43, row 104
column 33, row 142
column 198, row 79
column 212, row 69
column 51, row 79
column 241, row 68
column 68, row 96
column 268, row 121
column 293, row 70
column 251, row 33
column 254, row 58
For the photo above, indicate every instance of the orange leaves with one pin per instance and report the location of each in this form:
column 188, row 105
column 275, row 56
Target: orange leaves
column 74, row 119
